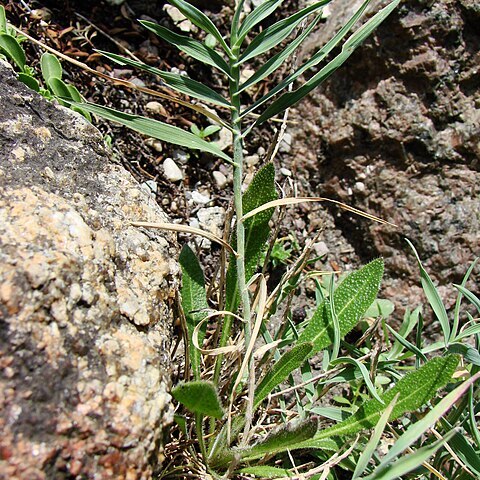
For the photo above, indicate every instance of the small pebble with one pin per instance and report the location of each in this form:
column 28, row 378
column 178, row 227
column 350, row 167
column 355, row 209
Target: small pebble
column 199, row 198
column 220, row 179
column 155, row 107
column 320, row 248
column 286, row 172
column 172, row 171
column 181, row 156
column 359, row 186
column 154, row 144
column 286, row 143
column 252, row 160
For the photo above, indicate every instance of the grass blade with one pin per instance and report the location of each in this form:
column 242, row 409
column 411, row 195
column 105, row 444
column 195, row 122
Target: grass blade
column 371, row 446
column 199, row 19
column 414, row 432
column 470, row 295
column 409, row 462
column 408, row 345
column 156, row 129
column 315, row 60
column 181, row 83
column 278, row 32
column 365, row 374
column 191, row 47
column 194, row 302
column 433, row 297
column 264, row 471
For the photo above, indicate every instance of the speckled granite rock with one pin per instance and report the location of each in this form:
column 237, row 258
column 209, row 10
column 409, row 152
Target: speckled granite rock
column 396, row 132
column 85, row 302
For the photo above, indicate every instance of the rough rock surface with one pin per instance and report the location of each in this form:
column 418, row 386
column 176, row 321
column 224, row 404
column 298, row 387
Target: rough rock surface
column 85, row 302
column 396, row 132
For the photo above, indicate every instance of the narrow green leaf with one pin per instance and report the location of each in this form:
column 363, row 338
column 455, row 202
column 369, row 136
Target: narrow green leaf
column 371, row 446
column 199, row 19
column 29, row 81
column 199, row 397
column 180, row 83
column 409, row 462
column 433, row 297
column 291, row 98
column 191, row 47
column 367, row 29
column 415, row 431
column 51, row 67
column 278, row 60
column 3, row 20
column 264, row 471
column 156, row 129
column 273, row 35
column 181, row 421
column 12, row 49
column 472, row 330
column 311, row 62
column 280, row 371
column 283, row 439
column 410, row 319
column 456, row 312
column 469, row 353
column 470, row 295
column 466, row 452
column 60, row 90
column 255, row 17
column 363, row 370
column 408, row 345
column 74, row 93
column 352, row 298
column 194, row 303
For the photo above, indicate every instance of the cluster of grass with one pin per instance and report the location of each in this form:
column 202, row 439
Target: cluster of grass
column 250, row 404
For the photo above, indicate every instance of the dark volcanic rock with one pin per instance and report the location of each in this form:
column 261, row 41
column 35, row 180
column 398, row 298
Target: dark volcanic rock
column 85, row 302
column 396, row 132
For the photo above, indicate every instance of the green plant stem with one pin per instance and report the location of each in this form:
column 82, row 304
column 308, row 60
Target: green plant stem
column 201, row 441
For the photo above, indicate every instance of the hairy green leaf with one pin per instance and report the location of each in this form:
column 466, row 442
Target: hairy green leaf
column 199, row 19
column 156, row 129
column 287, row 437
column 199, row 397
column 352, row 298
column 281, row 369
column 311, row 62
column 191, row 47
column 264, row 471
column 194, row 302
column 181, row 83
column 51, row 67
column 260, row 191
column 414, row 389
column 12, row 49
column 272, row 36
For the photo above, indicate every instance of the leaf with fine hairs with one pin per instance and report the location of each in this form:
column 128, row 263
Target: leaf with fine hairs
column 156, row 129
column 351, row 299
column 51, row 67
column 199, row 397
column 191, row 47
column 194, row 303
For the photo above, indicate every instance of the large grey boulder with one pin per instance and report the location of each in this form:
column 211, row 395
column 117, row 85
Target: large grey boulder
column 396, row 132
column 85, row 302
